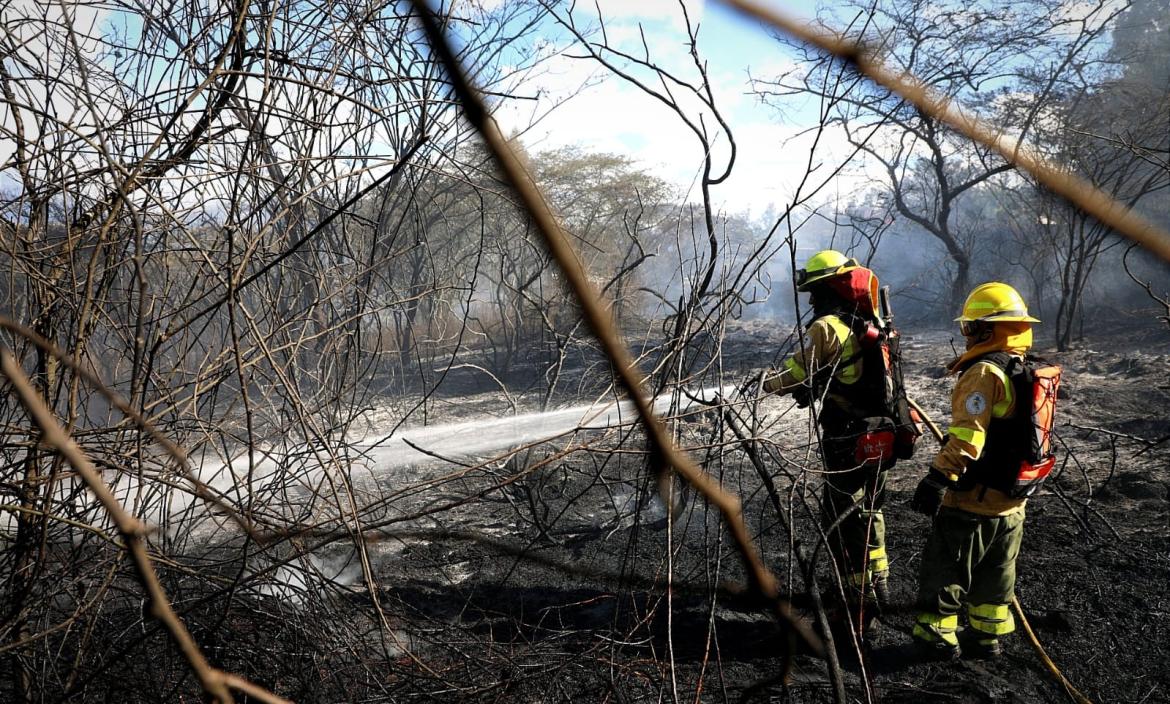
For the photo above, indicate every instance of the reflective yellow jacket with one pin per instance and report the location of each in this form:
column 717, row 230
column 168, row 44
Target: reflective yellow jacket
column 982, row 392
column 830, row 341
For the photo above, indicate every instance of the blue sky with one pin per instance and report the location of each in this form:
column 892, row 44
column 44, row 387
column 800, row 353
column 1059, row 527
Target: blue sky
column 613, row 116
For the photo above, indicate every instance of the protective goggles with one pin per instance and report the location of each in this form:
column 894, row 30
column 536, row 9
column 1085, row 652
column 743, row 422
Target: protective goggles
column 971, row 328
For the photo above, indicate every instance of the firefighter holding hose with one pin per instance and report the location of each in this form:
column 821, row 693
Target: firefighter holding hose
column 849, row 369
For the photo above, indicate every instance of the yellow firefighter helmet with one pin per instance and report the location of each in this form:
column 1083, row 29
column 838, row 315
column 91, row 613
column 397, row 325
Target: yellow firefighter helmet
column 822, row 265
column 993, row 302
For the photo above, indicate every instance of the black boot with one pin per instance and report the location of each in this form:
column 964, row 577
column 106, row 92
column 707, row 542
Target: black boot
column 935, row 651
column 983, row 649
column 881, row 591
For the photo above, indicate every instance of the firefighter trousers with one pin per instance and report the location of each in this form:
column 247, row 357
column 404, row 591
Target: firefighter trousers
column 969, row 560
column 857, row 542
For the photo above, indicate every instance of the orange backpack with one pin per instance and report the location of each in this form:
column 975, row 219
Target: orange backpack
column 1019, row 455
column 891, row 427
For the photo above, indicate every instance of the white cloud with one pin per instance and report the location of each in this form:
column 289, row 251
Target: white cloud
column 603, row 112
column 612, row 115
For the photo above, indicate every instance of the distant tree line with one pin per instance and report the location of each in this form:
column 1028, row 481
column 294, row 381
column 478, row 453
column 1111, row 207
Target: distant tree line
column 1087, row 87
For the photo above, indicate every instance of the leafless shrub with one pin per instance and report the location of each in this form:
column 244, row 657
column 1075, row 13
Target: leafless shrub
column 248, row 247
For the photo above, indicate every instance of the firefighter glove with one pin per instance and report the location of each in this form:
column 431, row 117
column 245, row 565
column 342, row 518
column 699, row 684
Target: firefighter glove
column 929, row 494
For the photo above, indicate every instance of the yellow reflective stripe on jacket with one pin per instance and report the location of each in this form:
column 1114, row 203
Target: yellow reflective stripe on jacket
column 975, row 437
column 992, row 619
column 1000, row 409
column 831, row 342
column 851, row 372
column 981, row 395
column 878, row 562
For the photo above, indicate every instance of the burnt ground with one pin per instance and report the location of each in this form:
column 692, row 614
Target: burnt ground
column 555, row 576
column 555, row 590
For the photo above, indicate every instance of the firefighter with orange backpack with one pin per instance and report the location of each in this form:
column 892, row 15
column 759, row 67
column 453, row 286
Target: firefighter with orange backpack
column 997, row 453
column 851, row 366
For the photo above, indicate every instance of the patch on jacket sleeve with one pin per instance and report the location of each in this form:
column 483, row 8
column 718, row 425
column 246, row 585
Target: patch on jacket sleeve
column 976, row 403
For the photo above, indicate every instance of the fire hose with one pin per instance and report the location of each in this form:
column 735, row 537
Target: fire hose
column 1072, row 691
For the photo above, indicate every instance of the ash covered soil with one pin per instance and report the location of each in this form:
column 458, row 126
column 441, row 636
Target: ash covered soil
column 569, row 584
